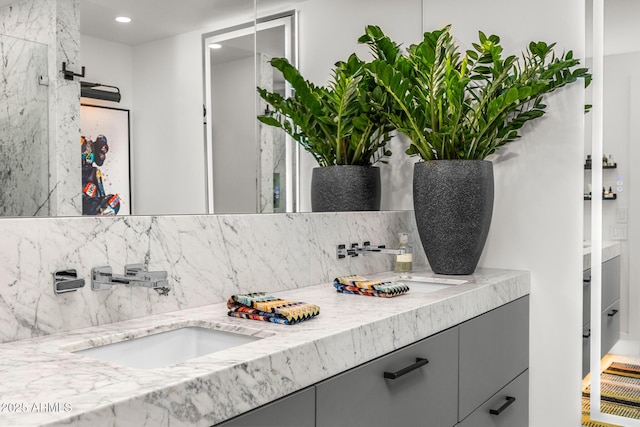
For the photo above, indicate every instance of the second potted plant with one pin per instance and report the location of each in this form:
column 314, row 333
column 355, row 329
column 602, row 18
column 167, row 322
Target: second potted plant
column 343, row 126
column 456, row 110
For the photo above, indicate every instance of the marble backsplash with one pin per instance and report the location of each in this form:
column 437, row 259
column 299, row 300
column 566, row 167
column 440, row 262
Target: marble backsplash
column 208, row 258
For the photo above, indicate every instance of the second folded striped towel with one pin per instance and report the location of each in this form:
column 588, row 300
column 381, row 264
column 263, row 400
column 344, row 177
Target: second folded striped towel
column 362, row 286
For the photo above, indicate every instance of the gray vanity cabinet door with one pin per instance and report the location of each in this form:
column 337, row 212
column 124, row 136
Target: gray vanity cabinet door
column 426, row 396
column 494, row 349
column 507, row 408
column 610, row 281
column 610, row 287
column 295, row 410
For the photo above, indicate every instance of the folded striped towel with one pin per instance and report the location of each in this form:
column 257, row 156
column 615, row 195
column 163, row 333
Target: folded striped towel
column 265, row 307
column 362, row 286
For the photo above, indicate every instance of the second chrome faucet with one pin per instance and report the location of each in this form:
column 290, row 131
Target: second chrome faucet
column 102, row 278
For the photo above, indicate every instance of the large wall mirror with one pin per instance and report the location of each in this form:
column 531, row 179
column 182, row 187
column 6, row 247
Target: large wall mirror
column 183, row 160
column 612, row 385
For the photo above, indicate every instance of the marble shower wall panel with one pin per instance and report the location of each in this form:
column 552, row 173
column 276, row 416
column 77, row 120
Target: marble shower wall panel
column 32, row 20
column 208, row 258
column 24, row 146
column 55, row 23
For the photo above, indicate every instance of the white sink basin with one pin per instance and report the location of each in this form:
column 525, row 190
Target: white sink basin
column 423, row 284
column 167, row 348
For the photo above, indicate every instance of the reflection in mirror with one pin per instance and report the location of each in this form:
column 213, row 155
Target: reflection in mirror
column 156, row 62
column 250, row 167
column 24, row 139
column 610, row 222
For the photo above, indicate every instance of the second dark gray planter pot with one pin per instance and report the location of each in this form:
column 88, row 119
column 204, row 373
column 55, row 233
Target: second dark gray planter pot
column 345, row 188
column 453, row 204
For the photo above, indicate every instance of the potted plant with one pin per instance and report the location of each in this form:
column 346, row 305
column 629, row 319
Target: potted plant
column 343, row 126
column 456, row 110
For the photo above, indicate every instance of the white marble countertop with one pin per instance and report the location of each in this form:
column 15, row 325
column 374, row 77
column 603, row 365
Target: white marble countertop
column 43, row 383
column 609, row 250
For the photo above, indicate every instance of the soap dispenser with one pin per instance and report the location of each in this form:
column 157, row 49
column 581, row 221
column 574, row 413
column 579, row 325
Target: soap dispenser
column 404, row 261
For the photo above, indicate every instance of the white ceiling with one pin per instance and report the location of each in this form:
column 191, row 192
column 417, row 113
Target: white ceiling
column 156, row 19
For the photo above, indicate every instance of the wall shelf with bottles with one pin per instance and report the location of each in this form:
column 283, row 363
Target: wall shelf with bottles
column 607, row 162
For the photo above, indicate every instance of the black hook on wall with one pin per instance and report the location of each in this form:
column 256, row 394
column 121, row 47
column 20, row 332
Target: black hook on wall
column 69, row 75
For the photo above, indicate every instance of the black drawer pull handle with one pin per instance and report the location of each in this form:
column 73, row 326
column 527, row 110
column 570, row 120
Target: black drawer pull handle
column 587, row 335
column 613, row 313
column 508, row 403
column 419, row 363
column 586, row 280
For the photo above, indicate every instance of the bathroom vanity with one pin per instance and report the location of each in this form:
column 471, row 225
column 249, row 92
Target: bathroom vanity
column 461, row 329
column 475, row 373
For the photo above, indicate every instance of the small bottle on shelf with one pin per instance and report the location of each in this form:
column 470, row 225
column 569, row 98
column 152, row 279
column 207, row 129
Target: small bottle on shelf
column 587, row 163
column 404, row 262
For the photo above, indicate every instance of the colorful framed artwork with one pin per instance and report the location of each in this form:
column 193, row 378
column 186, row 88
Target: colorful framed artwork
column 106, row 171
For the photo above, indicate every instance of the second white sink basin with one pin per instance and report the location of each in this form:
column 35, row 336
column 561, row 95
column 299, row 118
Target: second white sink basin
column 424, row 284
column 167, row 348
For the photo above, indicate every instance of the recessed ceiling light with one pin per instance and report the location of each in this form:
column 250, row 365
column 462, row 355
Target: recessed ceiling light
column 215, row 46
column 123, row 19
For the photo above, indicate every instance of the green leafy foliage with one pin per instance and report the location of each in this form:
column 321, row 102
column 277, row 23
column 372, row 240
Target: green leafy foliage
column 342, row 124
column 454, row 106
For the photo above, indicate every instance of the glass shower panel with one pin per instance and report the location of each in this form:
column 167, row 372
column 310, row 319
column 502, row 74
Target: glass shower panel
column 24, row 130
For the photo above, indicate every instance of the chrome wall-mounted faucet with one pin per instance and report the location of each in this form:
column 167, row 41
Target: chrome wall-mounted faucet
column 66, row 281
column 102, row 278
column 367, row 247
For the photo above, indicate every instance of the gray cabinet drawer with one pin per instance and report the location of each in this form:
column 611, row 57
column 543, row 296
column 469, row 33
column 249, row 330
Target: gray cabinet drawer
column 295, row 410
column 515, row 413
column 610, row 326
column 494, row 349
column 426, row 396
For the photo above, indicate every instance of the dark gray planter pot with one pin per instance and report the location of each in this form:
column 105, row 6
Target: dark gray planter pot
column 345, row 188
column 453, row 204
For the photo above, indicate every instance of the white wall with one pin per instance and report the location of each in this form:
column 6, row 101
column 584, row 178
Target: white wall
column 169, row 178
column 111, row 64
